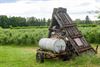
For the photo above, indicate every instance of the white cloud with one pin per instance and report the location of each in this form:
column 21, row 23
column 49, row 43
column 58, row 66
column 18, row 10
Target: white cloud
column 44, row 8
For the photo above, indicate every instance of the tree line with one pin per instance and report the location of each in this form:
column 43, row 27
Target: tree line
column 6, row 22
column 87, row 21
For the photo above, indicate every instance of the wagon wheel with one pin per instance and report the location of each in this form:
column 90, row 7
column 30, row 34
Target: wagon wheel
column 40, row 57
column 64, row 58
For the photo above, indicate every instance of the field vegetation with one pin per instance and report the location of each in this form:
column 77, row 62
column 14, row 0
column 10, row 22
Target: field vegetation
column 19, row 38
column 31, row 35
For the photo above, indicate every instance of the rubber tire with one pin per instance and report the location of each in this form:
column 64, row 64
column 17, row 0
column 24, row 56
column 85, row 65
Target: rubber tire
column 40, row 57
column 65, row 58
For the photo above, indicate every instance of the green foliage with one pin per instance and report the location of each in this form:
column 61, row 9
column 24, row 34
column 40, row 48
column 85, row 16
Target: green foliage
column 8, row 22
column 31, row 35
column 92, row 34
column 87, row 25
column 4, row 21
column 87, row 20
column 22, row 36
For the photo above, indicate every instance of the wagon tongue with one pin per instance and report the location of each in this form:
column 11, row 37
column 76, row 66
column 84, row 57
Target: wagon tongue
column 64, row 24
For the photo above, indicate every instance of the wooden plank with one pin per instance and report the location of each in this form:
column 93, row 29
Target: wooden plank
column 72, row 32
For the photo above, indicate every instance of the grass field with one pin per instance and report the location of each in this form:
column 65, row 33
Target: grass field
column 14, row 56
column 18, row 48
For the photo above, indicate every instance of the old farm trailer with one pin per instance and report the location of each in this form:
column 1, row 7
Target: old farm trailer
column 64, row 39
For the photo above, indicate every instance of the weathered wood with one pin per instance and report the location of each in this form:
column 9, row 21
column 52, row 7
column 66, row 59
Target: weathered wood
column 72, row 32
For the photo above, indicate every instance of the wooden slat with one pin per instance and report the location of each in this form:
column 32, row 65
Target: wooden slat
column 72, row 32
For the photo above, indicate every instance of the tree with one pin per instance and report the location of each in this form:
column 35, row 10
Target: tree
column 78, row 21
column 48, row 22
column 87, row 20
column 31, row 21
column 4, row 21
column 21, row 21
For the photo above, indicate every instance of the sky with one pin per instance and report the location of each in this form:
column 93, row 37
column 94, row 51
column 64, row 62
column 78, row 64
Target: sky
column 77, row 9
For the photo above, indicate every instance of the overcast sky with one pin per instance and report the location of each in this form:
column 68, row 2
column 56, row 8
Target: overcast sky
column 43, row 8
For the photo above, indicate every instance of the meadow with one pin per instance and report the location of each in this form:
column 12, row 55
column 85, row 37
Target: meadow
column 18, row 48
column 15, row 56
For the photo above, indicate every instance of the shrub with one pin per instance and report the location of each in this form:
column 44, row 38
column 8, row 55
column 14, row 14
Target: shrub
column 22, row 36
column 30, row 36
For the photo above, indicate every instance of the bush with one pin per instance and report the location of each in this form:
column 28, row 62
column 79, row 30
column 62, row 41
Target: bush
column 30, row 36
column 22, row 36
column 86, row 25
column 92, row 34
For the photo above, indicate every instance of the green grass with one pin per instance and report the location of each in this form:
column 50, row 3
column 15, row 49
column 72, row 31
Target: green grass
column 14, row 56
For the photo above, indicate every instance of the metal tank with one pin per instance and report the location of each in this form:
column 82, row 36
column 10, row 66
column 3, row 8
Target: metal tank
column 53, row 44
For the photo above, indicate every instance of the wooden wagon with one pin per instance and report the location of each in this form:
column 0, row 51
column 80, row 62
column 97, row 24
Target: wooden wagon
column 64, row 28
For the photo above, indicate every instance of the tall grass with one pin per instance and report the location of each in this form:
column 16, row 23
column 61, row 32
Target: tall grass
column 92, row 34
column 22, row 36
column 29, row 36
